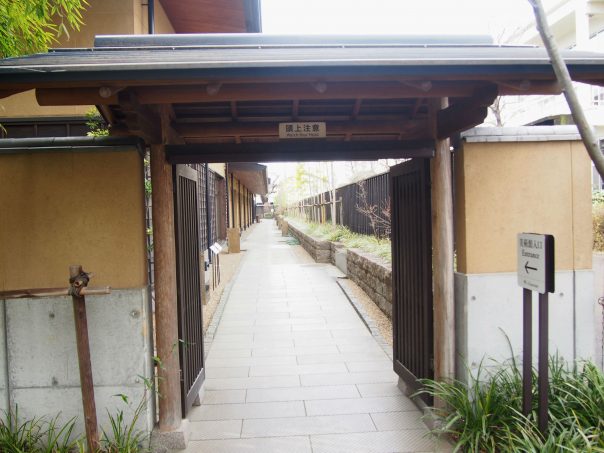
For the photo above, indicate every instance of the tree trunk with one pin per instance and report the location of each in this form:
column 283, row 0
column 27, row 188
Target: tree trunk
column 587, row 134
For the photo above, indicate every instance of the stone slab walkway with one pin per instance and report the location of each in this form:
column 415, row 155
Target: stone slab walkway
column 292, row 368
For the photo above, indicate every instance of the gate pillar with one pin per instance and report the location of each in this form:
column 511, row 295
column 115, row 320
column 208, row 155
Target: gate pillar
column 166, row 310
column 442, row 255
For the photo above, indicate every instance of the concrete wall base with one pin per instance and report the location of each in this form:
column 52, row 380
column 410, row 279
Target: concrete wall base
column 489, row 312
column 41, row 358
column 167, row 441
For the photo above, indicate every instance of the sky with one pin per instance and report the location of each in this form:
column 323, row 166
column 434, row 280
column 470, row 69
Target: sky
column 392, row 16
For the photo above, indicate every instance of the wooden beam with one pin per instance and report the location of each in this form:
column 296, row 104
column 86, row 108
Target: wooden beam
column 166, row 309
column 289, row 91
column 442, row 255
column 75, row 96
column 140, row 120
column 208, row 130
column 465, row 114
column 356, row 108
column 7, row 93
column 295, row 109
column 299, row 150
column 524, row 87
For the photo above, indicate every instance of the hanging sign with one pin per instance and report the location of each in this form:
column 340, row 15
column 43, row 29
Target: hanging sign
column 536, row 262
column 311, row 129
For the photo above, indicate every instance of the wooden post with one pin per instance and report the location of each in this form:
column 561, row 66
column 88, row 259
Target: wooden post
column 78, row 280
column 166, row 310
column 442, row 256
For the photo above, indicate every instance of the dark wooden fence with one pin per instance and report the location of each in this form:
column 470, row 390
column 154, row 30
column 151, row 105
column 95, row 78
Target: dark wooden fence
column 351, row 201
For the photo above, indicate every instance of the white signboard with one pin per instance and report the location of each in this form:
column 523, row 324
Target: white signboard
column 302, row 130
column 536, row 262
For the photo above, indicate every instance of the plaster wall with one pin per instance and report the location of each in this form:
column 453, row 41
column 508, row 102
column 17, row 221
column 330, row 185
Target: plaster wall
column 503, row 189
column 42, row 356
column 162, row 23
column 72, row 208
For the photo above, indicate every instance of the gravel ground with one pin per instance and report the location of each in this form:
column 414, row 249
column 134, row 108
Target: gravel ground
column 229, row 263
column 382, row 321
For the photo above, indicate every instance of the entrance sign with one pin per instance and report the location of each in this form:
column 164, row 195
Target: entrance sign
column 535, row 273
column 303, row 130
column 536, row 262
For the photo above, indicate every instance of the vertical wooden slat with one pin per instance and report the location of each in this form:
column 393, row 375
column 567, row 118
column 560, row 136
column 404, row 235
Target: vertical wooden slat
column 189, row 284
column 412, row 271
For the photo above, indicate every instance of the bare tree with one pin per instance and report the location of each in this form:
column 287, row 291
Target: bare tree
column 378, row 215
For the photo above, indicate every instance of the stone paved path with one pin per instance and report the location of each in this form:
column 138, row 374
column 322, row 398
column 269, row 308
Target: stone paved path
column 292, row 368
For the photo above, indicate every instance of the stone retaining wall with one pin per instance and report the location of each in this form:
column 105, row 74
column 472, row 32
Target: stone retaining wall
column 374, row 276
column 371, row 273
column 319, row 250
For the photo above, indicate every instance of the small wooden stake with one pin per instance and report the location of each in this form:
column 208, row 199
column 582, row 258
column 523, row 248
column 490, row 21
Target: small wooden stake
column 85, row 365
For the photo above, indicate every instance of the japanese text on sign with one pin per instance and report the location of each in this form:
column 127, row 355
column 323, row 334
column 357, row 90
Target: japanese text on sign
column 302, row 130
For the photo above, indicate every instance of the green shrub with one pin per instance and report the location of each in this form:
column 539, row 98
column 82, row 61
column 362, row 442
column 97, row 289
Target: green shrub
column 370, row 244
column 598, row 226
column 486, row 414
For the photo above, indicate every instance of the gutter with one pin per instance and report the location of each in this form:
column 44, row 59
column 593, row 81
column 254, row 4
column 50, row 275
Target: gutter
column 70, row 144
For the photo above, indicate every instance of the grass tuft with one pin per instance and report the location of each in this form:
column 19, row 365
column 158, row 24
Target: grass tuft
column 369, row 244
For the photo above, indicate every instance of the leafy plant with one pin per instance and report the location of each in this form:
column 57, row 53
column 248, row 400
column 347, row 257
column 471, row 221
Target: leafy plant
column 29, row 26
column 96, row 124
column 124, row 436
column 486, row 414
column 37, row 435
column 17, row 436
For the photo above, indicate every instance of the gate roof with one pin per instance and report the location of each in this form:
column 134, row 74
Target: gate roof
column 227, row 93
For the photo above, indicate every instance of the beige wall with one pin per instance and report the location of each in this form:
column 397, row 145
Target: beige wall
column 58, row 209
column 162, row 23
column 102, row 17
column 503, row 189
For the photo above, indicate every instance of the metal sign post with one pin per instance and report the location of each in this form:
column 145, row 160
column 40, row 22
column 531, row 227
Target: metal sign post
column 535, row 273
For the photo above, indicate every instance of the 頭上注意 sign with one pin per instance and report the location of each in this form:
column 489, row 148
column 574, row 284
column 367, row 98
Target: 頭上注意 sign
column 302, row 130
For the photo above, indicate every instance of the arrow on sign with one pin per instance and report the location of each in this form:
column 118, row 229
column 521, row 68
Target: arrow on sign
column 527, row 267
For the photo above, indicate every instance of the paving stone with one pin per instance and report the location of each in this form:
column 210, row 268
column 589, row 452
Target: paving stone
column 299, row 444
column 385, row 389
column 284, row 370
column 252, row 382
column 217, row 372
column 215, row 429
column 302, row 393
column 392, row 421
column 413, row 440
column 375, row 365
column 223, row 396
column 348, row 378
column 247, row 410
column 360, row 405
column 307, row 425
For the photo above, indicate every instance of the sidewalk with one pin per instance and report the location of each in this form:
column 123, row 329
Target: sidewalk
column 292, row 368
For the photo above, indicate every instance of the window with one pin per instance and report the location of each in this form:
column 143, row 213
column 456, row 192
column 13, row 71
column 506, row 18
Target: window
column 597, row 96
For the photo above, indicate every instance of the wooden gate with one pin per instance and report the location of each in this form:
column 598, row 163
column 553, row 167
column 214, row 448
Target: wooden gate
column 412, row 309
column 190, row 322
